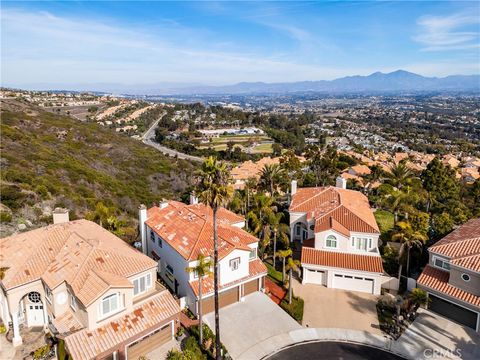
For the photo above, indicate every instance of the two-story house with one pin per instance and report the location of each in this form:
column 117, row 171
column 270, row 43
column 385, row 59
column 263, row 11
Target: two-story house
column 452, row 276
column 174, row 234
column 87, row 287
column 339, row 237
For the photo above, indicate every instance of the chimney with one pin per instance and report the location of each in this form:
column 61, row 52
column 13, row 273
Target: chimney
column 341, row 182
column 60, row 215
column 163, row 204
column 193, row 199
column 293, row 187
column 142, row 217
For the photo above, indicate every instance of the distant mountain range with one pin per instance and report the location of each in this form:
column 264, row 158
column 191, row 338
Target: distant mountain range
column 396, row 81
column 378, row 82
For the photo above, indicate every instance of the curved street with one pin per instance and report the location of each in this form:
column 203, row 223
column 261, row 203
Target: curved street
column 148, row 139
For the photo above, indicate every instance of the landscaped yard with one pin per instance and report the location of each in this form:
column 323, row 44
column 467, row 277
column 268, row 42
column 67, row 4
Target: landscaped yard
column 385, row 220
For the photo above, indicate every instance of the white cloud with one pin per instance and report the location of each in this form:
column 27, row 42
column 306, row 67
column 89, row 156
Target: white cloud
column 440, row 33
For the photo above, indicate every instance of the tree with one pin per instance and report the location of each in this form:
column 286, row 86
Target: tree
column 323, row 164
column 292, row 265
column 418, row 297
column 399, row 175
column 213, row 190
column 201, row 269
column 271, row 177
column 284, row 254
column 279, row 230
column 408, row 238
column 262, row 210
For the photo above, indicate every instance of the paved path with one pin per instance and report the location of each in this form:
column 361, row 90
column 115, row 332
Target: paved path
column 247, row 323
column 335, row 308
column 148, row 139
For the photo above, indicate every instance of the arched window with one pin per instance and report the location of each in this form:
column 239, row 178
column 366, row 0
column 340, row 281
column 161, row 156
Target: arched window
column 331, row 241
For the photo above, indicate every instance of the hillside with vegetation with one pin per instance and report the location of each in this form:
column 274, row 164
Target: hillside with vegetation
column 50, row 160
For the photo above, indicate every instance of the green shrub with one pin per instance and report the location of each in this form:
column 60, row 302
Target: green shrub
column 295, row 309
column 5, row 217
column 42, row 191
column 274, row 274
column 12, row 196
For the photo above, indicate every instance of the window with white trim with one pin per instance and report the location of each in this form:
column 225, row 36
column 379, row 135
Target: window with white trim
column 253, row 254
column 362, row 244
column 73, row 301
column 297, row 227
column 235, row 264
column 152, row 236
column 48, row 294
column 465, row 277
column 353, row 241
column 142, row 284
column 331, row 241
column 169, row 273
column 109, row 305
column 441, row 263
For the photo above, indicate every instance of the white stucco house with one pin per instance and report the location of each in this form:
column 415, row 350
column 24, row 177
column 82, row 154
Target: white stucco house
column 174, row 234
column 339, row 237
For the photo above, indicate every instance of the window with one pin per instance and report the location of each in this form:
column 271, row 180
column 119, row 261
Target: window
column 440, row 263
column 109, row 304
column 195, row 274
column 234, row 264
column 253, row 254
column 312, row 227
column 152, row 236
column 297, row 227
column 160, row 242
column 73, row 301
column 169, row 273
column 331, row 241
column 362, row 244
column 465, row 277
column 369, row 243
column 142, row 284
column 48, row 294
column 353, row 242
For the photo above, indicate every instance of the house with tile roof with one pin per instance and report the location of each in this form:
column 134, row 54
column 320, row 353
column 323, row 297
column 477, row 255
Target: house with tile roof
column 339, row 238
column 174, row 234
column 452, row 276
column 87, row 287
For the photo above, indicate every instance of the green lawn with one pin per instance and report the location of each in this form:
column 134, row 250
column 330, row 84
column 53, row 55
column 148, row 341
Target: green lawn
column 266, row 148
column 274, row 275
column 385, row 220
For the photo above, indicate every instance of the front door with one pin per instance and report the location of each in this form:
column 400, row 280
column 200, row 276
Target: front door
column 34, row 310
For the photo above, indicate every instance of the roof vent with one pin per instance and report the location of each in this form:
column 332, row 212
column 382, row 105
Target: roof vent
column 60, row 215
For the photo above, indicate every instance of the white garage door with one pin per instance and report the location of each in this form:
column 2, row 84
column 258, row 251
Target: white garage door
column 316, row 277
column 354, row 283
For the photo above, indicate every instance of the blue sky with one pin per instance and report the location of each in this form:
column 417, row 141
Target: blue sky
column 93, row 42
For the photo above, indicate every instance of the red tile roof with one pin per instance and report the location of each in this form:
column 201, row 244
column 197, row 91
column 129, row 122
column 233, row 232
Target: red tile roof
column 88, row 345
column 369, row 263
column 350, row 209
column 436, row 279
column 462, row 245
column 255, row 268
column 81, row 253
column 189, row 229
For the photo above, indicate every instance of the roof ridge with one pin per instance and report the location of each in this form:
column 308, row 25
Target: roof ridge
column 324, row 189
column 453, row 241
column 197, row 240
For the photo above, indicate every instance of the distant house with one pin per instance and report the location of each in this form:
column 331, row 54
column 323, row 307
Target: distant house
column 359, row 170
column 452, row 276
column 88, row 287
column 339, row 237
column 174, row 234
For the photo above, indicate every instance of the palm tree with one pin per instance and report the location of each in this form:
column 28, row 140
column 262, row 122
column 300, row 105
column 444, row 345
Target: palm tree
column 418, row 297
column 262, row 210
column 213, row 190
column 292, row 265
column 201, row 269
column 271, row 176
column 279, row 230
column 284, row 254
column 399, row 174
column 409, row 239
column 3, row 270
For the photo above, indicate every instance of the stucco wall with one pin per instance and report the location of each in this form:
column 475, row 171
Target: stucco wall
column 226, row 274
column 472, row 286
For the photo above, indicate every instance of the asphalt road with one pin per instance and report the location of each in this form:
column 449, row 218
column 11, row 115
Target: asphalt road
column 333, row 351
column 148, row 139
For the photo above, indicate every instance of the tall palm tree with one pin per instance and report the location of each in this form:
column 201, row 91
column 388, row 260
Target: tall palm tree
column 201, row 269
column 213, row 190
column 400, row 174
column 279, row 230
column 271, row 176
column 262, row 210
column 409, row 238
column 292, row 265
column 284, row 254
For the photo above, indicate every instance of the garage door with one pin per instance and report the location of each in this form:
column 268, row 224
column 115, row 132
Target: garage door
column 316, row 277
column 452, row 311
column 250, row 287
column 225, row 298
column 353, row 283
column 143, row 346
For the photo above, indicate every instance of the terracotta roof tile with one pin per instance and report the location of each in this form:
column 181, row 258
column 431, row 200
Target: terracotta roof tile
column 367, row 263
column 437, row 280
column 189, row 230
column 255, row 268
column 81, row 253
column 348, row 208
column 67, row 322
column 87, row 345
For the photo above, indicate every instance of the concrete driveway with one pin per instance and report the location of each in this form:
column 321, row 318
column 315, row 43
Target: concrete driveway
column 334, row 308
column 244, row 324
column 433, row 336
